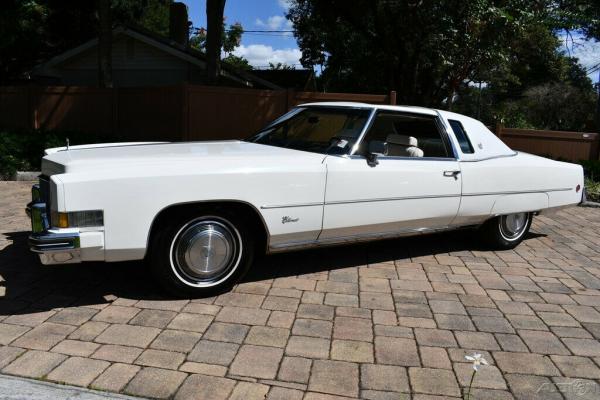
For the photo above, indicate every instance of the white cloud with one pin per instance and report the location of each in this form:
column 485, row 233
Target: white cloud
column 260, row 55
column 285, row 4
column 274, row 22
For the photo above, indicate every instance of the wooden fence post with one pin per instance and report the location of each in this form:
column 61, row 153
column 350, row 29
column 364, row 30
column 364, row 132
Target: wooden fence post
column 185, row 114
column 499, row 129
column 290, row 96
column 392, row 97
column 595, row 147
column 115, row 113
column 31, row 112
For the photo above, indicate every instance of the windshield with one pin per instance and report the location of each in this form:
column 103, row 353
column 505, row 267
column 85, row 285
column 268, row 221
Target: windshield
column 326, row 130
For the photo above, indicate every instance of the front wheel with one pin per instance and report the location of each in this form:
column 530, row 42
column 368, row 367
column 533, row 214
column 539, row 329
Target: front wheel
column 505, row 232
column 201, row 255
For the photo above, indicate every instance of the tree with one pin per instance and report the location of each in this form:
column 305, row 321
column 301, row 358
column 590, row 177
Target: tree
column 214, row 39
column 237, row 62
column 558, row 106
column 513, row 90
column 104, row 44
column 281, row 66
column 424, row 50
column 231, row 38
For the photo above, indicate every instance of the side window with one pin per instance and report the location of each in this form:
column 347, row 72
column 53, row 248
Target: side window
column 405, row 135
column 461, row 136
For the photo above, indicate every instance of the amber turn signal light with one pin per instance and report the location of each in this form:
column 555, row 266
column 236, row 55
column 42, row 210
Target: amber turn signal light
column 63, row 220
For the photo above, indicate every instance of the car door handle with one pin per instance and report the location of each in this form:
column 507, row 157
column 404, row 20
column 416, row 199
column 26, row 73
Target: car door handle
column 451, row 174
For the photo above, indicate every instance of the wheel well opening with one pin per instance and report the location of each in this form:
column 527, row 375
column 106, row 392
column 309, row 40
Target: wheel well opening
column 246, row 212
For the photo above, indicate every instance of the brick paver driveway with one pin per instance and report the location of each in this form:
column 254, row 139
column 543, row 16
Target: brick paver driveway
column 390, row 320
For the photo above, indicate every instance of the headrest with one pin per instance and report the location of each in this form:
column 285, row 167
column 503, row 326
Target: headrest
column 402, row 140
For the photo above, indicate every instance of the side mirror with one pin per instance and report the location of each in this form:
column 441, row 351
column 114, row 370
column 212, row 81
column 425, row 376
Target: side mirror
column 376, row 148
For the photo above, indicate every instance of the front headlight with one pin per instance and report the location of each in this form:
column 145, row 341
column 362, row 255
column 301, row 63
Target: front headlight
column 78, row 219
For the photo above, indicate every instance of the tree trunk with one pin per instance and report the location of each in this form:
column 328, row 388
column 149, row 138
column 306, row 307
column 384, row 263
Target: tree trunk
column 450, row 103
column 104, row 44
column 598, row 105
column 214, row 39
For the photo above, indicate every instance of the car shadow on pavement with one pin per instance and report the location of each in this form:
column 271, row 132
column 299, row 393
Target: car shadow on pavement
column 26, row 286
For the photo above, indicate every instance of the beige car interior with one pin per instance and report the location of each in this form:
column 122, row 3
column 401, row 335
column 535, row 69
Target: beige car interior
column 402, row 146
column 407, row 135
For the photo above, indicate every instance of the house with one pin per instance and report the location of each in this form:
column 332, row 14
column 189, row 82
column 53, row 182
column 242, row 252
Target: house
column 142, row 58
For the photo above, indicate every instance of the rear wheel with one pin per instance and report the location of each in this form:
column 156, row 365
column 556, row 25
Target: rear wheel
column 201, row 255
column 506, row 231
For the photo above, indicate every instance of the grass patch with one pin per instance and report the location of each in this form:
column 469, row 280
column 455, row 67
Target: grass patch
column 592, row 190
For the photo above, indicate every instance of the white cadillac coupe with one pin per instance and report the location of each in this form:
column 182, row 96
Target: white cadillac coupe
column 322, row 174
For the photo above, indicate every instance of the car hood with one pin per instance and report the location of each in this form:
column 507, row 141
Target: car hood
column 232, row 154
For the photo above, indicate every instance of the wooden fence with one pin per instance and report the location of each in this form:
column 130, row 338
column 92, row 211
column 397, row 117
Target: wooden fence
column 573, row 146
column 185, row 112
column 191, row 112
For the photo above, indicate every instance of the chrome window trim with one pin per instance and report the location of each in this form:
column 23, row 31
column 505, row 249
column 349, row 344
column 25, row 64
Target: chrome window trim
column 404, row 158
column 439, row 122
column 364, row 131
column 464, row 131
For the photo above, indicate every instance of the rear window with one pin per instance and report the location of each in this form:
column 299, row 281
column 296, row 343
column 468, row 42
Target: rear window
column 461, row 136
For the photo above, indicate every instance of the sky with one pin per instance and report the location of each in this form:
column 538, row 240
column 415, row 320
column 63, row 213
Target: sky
column 587, row 51
column 260, row 49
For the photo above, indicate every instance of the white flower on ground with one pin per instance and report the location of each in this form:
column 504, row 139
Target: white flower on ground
column 477, row 360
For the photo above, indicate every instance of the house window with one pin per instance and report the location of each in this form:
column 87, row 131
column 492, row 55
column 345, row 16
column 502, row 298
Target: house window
column 463, row 140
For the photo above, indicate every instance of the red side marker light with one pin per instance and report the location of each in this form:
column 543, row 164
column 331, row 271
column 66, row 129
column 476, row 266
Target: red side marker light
column 577, row 188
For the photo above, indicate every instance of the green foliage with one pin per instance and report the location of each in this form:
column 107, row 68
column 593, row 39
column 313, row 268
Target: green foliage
column 558, row 106
column 238, row 62
column 592, row 190
column 281, row 66
column 432, row 52
column 23, row 150
column 424, row 50
column 232, row 36
column 591, row 169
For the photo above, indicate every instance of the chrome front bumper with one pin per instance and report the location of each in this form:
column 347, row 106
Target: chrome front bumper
column 51, row 246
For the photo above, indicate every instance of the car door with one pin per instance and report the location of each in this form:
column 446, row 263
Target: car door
column 415, row 185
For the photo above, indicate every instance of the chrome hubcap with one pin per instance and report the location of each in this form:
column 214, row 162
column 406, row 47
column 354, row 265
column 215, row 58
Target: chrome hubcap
column 205, row 250
column 513, row 225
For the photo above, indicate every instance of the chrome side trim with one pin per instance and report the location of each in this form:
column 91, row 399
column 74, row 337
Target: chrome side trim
column 281, row 247
column 329, row 203
column 270, row 206
column 492, row 157
column 517, row 192
column 433, row 196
